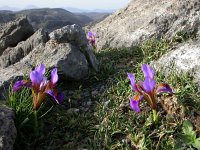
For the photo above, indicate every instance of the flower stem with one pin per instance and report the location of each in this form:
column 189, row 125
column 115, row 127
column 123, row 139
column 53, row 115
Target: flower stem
column 155, row 116
column 35, row 121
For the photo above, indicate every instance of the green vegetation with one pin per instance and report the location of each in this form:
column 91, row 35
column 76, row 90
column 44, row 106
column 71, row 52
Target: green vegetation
column 110, row 123
column 188, row 137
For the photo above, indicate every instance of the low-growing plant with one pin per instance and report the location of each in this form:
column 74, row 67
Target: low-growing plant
column 40, row 87
column 188, row 137
column 147, row 90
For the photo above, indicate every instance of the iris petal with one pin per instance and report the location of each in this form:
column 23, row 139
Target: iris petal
column 36, row 77
column 163, row 88
column 54, row 76
column 19, row 84
column 149, row 85
column 133, row 82
column 43, row 83
column 40, row 69
column 90, row 34
column 148, row 71
column 135, row 101
column 58, row 97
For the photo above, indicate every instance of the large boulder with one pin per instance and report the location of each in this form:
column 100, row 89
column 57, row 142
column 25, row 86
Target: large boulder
column 184, row 58
column 70, row 34
column 13, row 32
column 144, row 19
column 74, row 35
column 70, row 61
column 8, row 131
column 14, row 54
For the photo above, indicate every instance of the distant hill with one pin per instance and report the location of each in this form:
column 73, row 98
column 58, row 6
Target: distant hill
column 52, row 19
column 6, row 16
column 76, row 10
column 48, row 18
column 71, row 9
column 9, row 8
column 95, row 16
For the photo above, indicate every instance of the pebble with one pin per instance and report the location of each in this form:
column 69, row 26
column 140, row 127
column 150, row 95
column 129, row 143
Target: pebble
column 73, row 110
column 94, row 93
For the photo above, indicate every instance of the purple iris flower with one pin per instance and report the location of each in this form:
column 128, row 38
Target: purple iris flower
column 41, row 86
column 91, row 36
column 147, row 90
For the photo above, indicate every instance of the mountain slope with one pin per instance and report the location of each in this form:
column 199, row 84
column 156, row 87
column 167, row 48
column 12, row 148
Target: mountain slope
column 144, row 19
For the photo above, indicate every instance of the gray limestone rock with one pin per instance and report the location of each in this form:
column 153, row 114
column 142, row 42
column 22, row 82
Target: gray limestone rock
column 14, row 32
column 70, row 34
column 184, row 58
column 12, row 55
column 8, row 131
column 74, row 35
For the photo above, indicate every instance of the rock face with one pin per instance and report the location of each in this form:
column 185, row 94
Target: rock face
column 8, row 131
column 185, row 58
column 14, row 32
column 144, row 19
column 12, row 55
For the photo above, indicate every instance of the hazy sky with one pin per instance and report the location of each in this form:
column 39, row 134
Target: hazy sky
column 83, row 4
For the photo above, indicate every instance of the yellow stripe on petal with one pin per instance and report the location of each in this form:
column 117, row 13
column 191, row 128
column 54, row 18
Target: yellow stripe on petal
column 137, row 97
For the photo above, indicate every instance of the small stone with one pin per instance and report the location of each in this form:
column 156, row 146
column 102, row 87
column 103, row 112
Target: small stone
column 94, row 93
column 73, row 110
column 84, row 108
column 106, row 103
column 102, row 89
column 89, row 103
column 124, row 107
column 86, row 94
